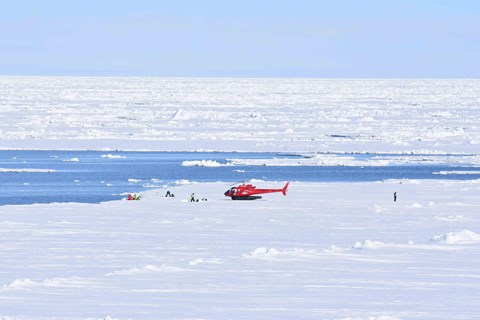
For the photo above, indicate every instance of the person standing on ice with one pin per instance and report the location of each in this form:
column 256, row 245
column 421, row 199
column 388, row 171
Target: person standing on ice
column 395, row 196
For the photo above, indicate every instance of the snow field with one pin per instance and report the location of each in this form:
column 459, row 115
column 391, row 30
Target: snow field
column 201, row 114
column 325, row 251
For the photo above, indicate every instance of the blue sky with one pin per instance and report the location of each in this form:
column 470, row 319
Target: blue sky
column 247, row 38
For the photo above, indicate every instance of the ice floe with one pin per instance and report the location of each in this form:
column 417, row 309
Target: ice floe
column 29, row 170
column 184, row 182
column 457, row 172
column 113, row 156
column 202, row 163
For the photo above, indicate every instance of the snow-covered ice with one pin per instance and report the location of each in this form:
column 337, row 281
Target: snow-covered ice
column 134, row 180
column 202, row 163
column 202, row 114
column 332, row 251
column 320, row 159
column 112, row 156
column 324, row 251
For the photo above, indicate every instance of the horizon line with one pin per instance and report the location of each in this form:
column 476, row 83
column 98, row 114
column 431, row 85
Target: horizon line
column 235, row 77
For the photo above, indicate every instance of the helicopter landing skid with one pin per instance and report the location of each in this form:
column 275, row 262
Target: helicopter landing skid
column 247, row 198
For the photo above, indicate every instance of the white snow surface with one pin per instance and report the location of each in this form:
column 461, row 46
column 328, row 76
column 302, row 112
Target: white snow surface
column 240, row 114
column 324, row 251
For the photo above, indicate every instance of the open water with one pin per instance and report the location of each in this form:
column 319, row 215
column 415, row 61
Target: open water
column 94, row 178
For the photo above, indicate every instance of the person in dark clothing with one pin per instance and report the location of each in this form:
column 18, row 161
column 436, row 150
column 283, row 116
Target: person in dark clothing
column 395, row 196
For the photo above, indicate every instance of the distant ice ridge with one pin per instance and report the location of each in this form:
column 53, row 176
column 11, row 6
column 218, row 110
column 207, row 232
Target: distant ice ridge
column 352, row 160
column 348, row 160
column 310, row 160
column 457, row 172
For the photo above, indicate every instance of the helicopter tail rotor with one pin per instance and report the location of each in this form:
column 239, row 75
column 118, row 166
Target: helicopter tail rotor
column 284, row 190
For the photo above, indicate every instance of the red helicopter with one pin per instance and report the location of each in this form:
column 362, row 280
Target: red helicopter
column 249, row 192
